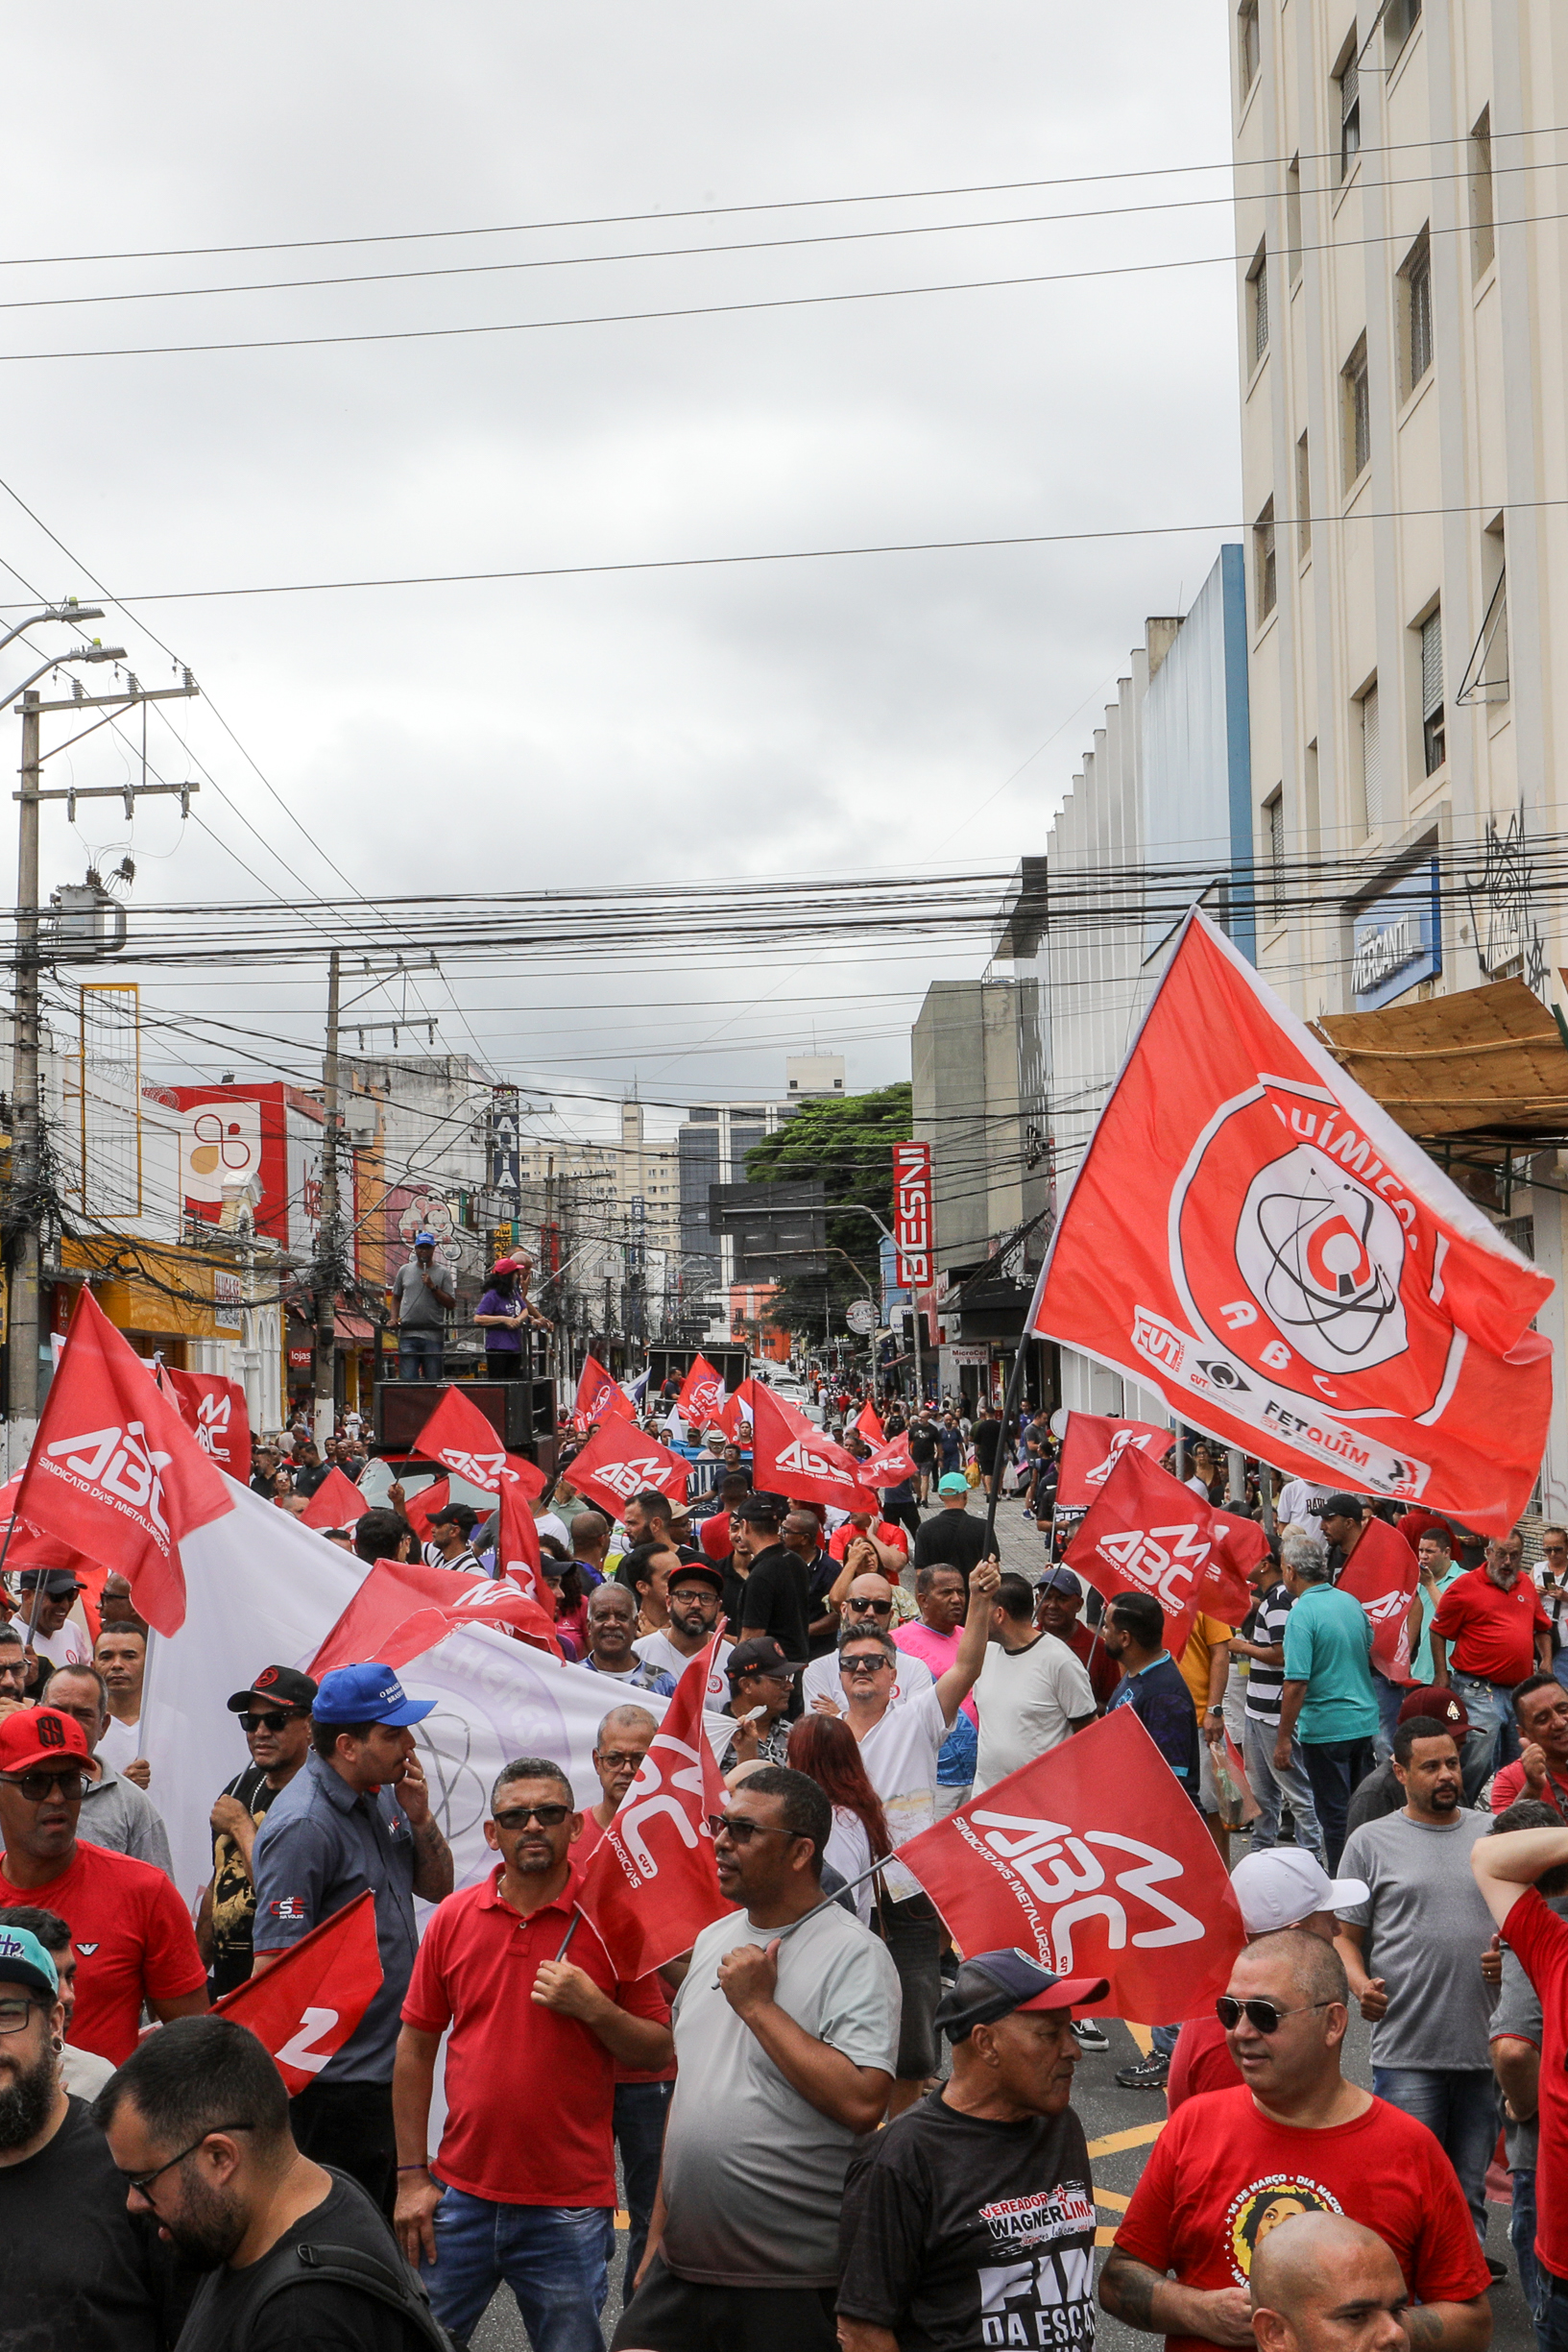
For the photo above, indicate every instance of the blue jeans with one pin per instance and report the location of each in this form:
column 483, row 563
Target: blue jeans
column 1458, row 2107
column 640, row 2112
column 420, row 1353
column 1551, row 2312
column 1493, row 1741
column 1272, row 1788
column 1391, row 1697
column 555, row 2259
column 1335, row 1767
column 1522, row 2235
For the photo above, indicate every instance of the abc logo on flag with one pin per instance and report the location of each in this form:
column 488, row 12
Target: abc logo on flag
column 1299, row 1255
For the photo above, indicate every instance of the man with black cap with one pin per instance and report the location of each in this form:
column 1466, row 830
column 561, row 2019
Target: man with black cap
column 1058, row 1599
column 358, row 1815
column 775, row 1599
column 971, row 2218
column 762, row 1684
column 693, row 1596
column 450, row 1544
column 44, row 1600
column 274, row 1716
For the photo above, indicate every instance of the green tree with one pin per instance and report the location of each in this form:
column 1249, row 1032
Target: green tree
column 844, row 1142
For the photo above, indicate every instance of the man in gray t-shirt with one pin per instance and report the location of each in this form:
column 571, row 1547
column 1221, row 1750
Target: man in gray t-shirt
column 1414, row 1950
column 786, row 2033
column 421, row 1299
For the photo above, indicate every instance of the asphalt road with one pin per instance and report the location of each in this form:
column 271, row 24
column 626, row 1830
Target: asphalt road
column 1120, row 2126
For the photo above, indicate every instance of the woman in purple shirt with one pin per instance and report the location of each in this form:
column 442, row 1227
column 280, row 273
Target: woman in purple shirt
column 501, row 1314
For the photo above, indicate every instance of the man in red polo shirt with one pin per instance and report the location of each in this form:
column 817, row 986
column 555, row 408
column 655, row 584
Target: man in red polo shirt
column 1507, row 1867
column 1540, row 1716
column 1489, row 1635
column 525, row 2184
column 132, row 1932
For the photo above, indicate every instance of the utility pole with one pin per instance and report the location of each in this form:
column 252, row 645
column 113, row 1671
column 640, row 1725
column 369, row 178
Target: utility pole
column 327, row 1243
column 26, row 1321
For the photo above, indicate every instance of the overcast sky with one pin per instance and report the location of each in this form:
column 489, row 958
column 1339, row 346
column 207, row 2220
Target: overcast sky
column 823, row 717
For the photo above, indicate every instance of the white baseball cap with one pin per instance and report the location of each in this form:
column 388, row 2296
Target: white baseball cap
column 1283, row 1885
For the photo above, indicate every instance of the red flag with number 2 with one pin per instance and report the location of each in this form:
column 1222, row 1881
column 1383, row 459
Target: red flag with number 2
column 309, row 2003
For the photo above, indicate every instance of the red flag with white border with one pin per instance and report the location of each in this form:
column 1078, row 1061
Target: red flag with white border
column 1253, row 1237
column 114, row 1467
column 702, row 1393
column 618, row 1461
column 651, row 1885
column 1095, row 1860
column 1382, row 1573
column 308, row 2002
column 458, row 1436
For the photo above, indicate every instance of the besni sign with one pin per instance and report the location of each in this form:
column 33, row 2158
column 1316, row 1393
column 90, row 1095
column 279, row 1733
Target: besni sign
column 912, row 1214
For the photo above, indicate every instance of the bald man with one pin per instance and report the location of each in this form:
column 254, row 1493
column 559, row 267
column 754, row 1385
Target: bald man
column 1321, row 2283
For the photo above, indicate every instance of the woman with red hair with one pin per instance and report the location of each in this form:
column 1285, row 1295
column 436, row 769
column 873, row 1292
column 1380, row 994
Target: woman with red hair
column 827, row 1750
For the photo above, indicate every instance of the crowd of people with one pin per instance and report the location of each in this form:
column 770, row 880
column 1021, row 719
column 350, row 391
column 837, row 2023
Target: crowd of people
column 827, row 2125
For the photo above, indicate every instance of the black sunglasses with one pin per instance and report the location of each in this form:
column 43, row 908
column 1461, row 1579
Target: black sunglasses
column 880, row 1609
column 547, row 1816
column 35, row 1786
column 1265, row 2015
column 269, row 1722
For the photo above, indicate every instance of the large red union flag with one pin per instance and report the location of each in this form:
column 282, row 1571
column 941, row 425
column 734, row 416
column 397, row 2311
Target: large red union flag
column 1381, row 1574
column 651, row 1885
column 114, row 1471
column 618, row 1461
column 790, row 1457
column 702, row 1393
column 597, row 1395
column 1148, row 1533
column 1093, row 1860
column 215, row 1409
column 309, row 2003
column 1252, row 1236
column 458, row 1435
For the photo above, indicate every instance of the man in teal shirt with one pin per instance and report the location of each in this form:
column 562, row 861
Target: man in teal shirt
column 1328, row 1702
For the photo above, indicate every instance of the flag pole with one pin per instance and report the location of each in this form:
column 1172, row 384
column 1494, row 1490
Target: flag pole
column 571, row 1932
column 1009, row 1405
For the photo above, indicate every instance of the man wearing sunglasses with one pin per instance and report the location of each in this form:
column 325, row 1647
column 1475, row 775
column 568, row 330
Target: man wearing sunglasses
column 785, row 2029
column 131, row 1928
column 1296, row 2137
column 80, row 2271
column 523, row 2186
column 868, row 1603
column 274, row 1716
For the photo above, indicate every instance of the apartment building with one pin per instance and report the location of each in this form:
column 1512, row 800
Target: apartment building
column 1402, row 313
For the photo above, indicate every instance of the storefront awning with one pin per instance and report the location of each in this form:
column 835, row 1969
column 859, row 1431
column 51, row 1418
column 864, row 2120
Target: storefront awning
column 1490, row 1064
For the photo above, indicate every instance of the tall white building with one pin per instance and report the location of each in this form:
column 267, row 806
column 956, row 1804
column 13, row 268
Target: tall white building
column 1402, row 313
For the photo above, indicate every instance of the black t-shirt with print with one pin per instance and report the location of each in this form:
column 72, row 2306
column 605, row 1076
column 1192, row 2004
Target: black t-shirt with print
column 233, row 1897
column 959, row 2234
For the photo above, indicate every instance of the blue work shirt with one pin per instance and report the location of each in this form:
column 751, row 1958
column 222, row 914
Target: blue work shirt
column 322, row 1844
column 1159, row 1697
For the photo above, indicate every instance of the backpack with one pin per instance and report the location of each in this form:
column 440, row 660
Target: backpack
column 337, row 2266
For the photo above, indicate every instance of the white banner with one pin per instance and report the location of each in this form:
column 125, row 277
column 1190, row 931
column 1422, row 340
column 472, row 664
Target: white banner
column 263, row 1591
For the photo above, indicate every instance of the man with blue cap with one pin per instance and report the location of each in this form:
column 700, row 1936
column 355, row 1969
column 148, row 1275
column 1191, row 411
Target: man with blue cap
column 971, row 2218
column 357, row 1816
column 422, row 1296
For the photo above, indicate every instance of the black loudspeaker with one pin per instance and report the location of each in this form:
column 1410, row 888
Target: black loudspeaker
column 521, row 1412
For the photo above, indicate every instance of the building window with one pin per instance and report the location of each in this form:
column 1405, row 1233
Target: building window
column 1415, row 312
column 1482, row 220
column 1293, row 218
column 1370, row 765
column 1487, row 676
column 1357, row 410
column 1434, row 731
column 1274, row 817
column 1400, row 18
column 1264, row 572
column 1303, row 500
column 1248, row 48
column 1257, row 305
column 1348, row 89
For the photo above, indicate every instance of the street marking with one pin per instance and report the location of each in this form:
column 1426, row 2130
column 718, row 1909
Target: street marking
column 1142, row 2035
column 1138, row 2137
column 1104, row 2237
column 1109, row 2198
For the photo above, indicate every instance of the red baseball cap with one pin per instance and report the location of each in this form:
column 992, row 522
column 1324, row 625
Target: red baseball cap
column 1444, row 1706
column 33, row 1735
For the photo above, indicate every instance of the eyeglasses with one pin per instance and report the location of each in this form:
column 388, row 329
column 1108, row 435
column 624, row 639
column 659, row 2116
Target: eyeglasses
column 547, row 1816
column 1264, row 2015
column 612, row 1761
column 14, row 2015
column 742, row 1830
column 877, row 1609
column 270, row 1722
column 864, row 1664
column 35, row 1786
column 141, row 2182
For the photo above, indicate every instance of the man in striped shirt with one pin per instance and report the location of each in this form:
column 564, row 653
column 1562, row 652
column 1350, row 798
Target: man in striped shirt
column 1260, row 1642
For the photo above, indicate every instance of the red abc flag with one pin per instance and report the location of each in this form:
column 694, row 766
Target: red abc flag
column 518, row 1555
column 215, row 1409
column 1091, row 1450
column 1382, row 1573
column 337, row 1502
column 114, row 1471
column 458, row 1435
column 1148, row 1533
column 617, row 1463
column 1251, row 1234
column 868, row 1422
column 651, row 1886
column 889, row 1466
column 309, row 2003
column 790, row 1457
column 1093, row 1860
column 702, row 1393
column 495, row 1602
column 391, row 1591
column 597, row 1395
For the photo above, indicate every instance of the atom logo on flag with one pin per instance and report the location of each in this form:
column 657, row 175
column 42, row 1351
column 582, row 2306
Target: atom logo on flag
column 1324, row 1257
